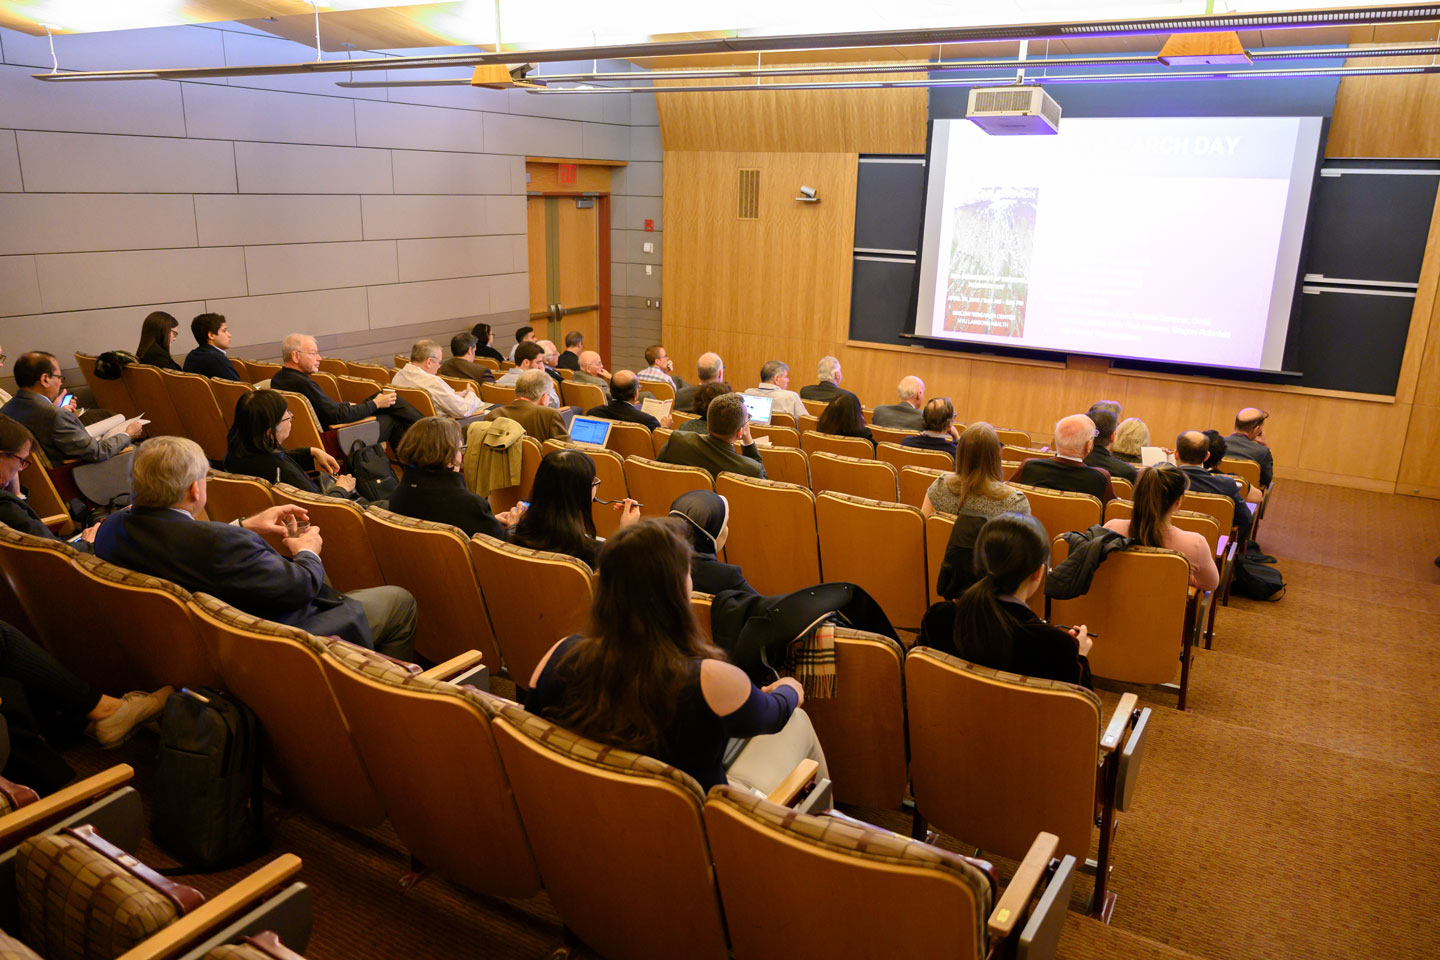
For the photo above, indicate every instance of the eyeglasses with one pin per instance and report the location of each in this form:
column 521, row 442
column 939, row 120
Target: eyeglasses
column 24, row 461
column 287, row 418
column 57, row 375
column 2, row 358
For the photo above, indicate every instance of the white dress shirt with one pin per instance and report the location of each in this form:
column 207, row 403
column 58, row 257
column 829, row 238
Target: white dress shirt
column 446, row 398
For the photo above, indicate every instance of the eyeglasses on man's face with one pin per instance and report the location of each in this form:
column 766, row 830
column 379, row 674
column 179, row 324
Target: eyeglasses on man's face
column 23, row 461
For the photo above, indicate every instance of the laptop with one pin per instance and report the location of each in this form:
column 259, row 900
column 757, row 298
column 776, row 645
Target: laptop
column 590, row 431
column 758, row 408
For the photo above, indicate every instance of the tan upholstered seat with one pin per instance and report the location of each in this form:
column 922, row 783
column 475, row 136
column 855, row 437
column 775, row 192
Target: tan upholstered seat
column 432, row 561
column 566, row 374
column 1222, row 548
column 488, row 362
column 38, row 572
column 230, row 496
column 513, row 578
column 334, row 366
column 772, row 533
column 814, row 407
column 305, row 427
column 655, row 485
column 701, row 604
column 43, row 496
column 914, row 457
column 1021, row 454
column 357, row 389
column 1060, row 510
column 147, row 388
column 778, row 419
column 328, row 384
column 658, row 438
column 937, row 537
column 915, row 482
column 610, row 471
column 619, row 839
column 813, row 441
column 348, row 557
column 276, row 671
column 491, row 393
column 369, row 371
column 436, row 769
column 1216, row 505
column 865, row 477
column 243, row 369
column 398, row 361
column 779, row 436
column 418, row 399
column 786, row 464
column 879, row 546
column 1013, row 438
column 1123, row 488
column 631, row 440
column 661, row 389
column 109, row 394
column 890, row 435
column 807, row 422
column 260, row 370
column 227, row 394
column 582, row 395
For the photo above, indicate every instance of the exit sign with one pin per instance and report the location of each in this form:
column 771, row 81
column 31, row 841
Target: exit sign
column 569, row 172
column 649, row 226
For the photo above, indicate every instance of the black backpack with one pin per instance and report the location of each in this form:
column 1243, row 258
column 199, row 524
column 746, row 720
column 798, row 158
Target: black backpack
column 208, row 805
column 368, row 463
column 1256, row 580
column 109, row 364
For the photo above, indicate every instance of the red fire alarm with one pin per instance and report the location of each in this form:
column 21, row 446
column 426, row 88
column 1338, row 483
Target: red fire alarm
column 569, row 172
column 649, row 226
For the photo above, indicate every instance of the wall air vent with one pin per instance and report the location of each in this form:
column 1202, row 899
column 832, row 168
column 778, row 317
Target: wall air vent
column 749, row 205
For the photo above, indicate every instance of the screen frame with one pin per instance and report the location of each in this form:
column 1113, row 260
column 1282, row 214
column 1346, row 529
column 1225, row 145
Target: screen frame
column 604, row 439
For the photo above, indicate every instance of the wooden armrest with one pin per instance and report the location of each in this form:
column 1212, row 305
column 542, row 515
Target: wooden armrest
column 342, row 426
column 40, row 814
column 455, row 665
column 212, row 914
column 59, row 520
column 1119, row 720
column 1221, row 544
column 1011, row 906
column 803, row 773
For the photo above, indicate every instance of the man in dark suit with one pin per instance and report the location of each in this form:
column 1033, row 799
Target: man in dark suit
column 710, row 369
column 300, row 356
column 827, row 371
column 1100, row 455
column 1248, row 441
column 160, row 536
column 462, row 363
column 212, row 339
column 57, row 430
column 531, row 408
column 1191, row 448
column 623, row 389
column 1074, row 438
column 729, row 423
column 574, row 344
column 906, row 414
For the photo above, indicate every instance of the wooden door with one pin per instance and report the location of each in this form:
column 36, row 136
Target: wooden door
column 565, row 269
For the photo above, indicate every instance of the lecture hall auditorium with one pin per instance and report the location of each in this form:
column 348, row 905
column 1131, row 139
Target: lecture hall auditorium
column 469, row 470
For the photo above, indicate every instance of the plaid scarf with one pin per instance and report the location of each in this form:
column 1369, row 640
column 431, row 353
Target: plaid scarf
column 811, row 660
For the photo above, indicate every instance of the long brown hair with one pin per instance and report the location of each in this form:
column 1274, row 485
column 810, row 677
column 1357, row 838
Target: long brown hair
column 154, row 332
column 1156, row 493
column 843, row 417
column 626, row 675
column 977, row 465
column 1008, row 550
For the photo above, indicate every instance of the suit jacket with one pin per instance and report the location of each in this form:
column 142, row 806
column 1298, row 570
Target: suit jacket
column 329, row 412
column 1102, row 457
column 1057, row 474
column 158, row 356
column 210, row 362
column 923, row 441
column 704, row 451
column 19, row 515
column 463, row 369
column 594, row 381
column 1203, row 481
column 282, row 466
column 822, row 392
column 624, row 412
column 59, row 432
column 484, row 350
column 542, row 423
column 568, row 361
column 898, row 416
column 234, row 564
column 1239, row 445
column 440, row 495
column 685, row 397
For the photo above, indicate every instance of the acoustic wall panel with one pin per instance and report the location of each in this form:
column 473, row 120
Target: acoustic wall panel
column 103, row 163
column 74, row 222
column 84, row 281
column 236, row 113
column 256, row 219
column 388, row 218
column 295, row 168
column 291, row 267
column 426, row 171
column 448, row 258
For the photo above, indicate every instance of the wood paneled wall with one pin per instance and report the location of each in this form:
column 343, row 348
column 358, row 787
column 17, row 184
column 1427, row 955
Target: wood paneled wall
column 779, row 287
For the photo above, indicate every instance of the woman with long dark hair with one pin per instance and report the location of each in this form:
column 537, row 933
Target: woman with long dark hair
column 559, row 518
column 157, row 333
column 432, row 487
column 256, row 448
column 644, row 677
column 1158, row 494
column 993, row 625
column 843, row 417
column 484, row 337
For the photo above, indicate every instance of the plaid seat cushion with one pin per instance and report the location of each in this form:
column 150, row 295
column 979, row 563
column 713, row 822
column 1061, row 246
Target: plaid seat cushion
column 12, row 949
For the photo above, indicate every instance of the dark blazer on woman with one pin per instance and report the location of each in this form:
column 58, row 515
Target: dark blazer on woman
column 281, row 466
column 491, row 352
column 441, row 496
column 158, row 356
column 1039, row 649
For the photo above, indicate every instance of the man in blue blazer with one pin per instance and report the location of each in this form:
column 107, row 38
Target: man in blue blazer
column 212, row 336
column 159, row 535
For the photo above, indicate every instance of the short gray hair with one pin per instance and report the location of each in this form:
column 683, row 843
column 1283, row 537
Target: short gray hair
column 709, row 366
column 291, row 344
column 827, row 368
column 773, row 369
column 424, row 350
column 1072, row 433
column 532, row 384
column 164, row 469
column 910, row 388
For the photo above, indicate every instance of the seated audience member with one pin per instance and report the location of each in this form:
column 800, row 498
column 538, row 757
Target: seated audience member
column 701, row 406
column 433, row 488
column 775, row 384
column 977, row 485
column 530, row 356
column 1111, row 407
column 623, row 388
column 1130, row 436
column 531, row 408
column 660, row 369
column 1248, row 441
column 993, row 625
column 1100, row 455
column 485, row 342
column 461, row 364
column 161, row 536
column 827, row 372
column 1214, row 451
column 710, row 369
column 706, row 516
column 939, row 431
column 256, row 448
column 727, row 423
column 523, row 335
column 157, row 333
column 1074, row 438
column 212, row 339
column 1158, row 493
column 422, row 373
column 693, row 703
column 574, row 345
column 300, row 357
column 16, row 444
column 1191, row 449
column 550, row 357
column 58, row 430
column 560, row 519
column 593, row 372
column 843, row 417
column 906, row 414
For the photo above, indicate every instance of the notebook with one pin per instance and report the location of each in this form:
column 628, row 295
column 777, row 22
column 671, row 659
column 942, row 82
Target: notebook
column 659, row 409
column 758, row 407
column 590, row 431
column 1149, row 456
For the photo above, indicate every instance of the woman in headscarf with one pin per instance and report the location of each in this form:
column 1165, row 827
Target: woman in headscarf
column 705, row 517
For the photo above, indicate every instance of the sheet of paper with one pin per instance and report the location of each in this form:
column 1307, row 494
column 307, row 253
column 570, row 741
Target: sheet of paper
column 659, row 409
column 1149, row 456
column 99, row 430
column 117, row 425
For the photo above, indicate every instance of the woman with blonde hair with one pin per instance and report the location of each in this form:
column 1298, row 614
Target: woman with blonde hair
column 1130, row 436
column 977, row 484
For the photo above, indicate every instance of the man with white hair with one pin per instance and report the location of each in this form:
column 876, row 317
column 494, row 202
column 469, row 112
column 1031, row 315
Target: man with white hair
column 710, row 369
column 532, row 408
column 300, row 357
column 160, row 535
column 907, row 414
column 549, row 359
column 827, row 371
column 530, row 356
column 422, row 373
column 775, row 384
column 1074, row 439
column 593, row 372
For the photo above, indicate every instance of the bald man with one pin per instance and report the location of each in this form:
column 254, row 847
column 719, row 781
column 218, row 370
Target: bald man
column 907, row 414
column 710, row 369
column 1191, row 449
column 593, row 372
column 1248, row 441
column 622, row 405
column 1067, row 470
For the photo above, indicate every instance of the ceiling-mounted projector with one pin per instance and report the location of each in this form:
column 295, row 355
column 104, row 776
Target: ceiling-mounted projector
column 1013, row 111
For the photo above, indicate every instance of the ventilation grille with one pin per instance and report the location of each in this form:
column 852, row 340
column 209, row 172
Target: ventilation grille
column 749, row 205
column 990, row 101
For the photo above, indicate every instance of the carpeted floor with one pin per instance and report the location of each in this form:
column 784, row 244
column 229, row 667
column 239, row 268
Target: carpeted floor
column 1292, row 812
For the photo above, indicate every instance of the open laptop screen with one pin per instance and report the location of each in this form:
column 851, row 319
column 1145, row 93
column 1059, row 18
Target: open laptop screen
column 758, row 407
column 591, row 430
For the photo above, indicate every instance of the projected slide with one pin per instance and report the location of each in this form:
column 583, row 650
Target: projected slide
column 1157, row 238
